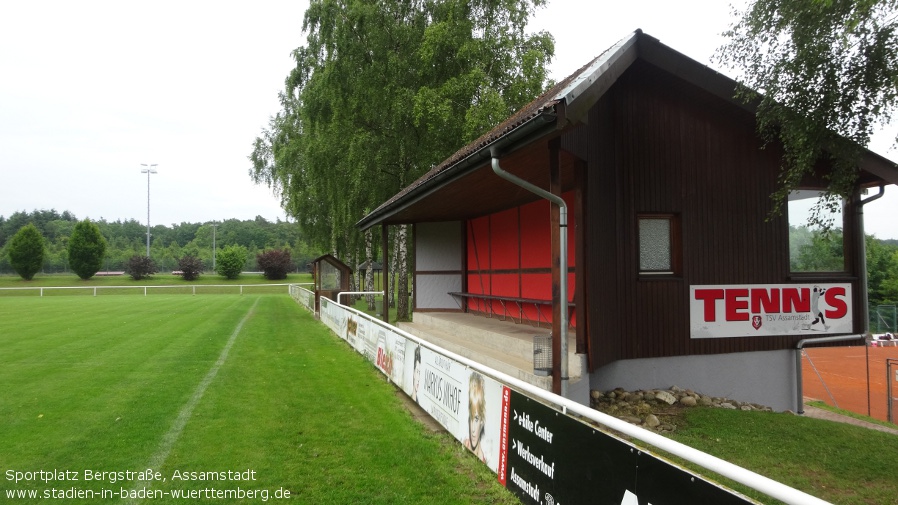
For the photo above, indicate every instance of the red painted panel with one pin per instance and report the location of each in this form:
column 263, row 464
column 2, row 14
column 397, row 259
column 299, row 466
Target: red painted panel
column 506, row 285
column 479, row 283
column 571, row 227
column 535, row 243
column 538, row 286
column 504, row 240
column 478, row 244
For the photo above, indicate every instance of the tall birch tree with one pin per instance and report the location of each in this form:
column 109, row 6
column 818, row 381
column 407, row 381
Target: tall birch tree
column 382, row 91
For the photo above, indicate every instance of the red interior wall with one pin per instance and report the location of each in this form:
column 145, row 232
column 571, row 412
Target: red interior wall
column 509, row 254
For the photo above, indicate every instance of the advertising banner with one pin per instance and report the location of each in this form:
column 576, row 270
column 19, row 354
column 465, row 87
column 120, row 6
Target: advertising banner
column 391, row 355
column 540, row 454
column 555, row 459
column 752, row 310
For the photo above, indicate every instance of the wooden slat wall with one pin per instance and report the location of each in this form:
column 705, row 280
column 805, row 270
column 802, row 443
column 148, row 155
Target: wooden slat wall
column 660, row 146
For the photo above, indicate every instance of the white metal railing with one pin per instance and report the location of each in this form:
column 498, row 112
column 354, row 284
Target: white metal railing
column 144, row 288
column 303, row 296
column 714, row 464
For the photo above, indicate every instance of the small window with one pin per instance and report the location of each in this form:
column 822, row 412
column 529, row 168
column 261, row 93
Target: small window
column 811, row 249
column 658, row 244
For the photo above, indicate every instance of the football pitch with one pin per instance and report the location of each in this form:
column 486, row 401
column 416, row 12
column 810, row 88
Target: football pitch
column 207, row 399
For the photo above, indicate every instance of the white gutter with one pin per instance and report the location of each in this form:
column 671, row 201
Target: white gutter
column 562, row 237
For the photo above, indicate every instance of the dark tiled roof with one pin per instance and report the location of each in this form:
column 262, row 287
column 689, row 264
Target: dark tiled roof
column 544, row 104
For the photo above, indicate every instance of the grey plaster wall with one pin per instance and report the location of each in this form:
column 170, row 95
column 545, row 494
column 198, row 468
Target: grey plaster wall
column 438, row 264
column 438, row 246
column 433, row 291
column 764, row 377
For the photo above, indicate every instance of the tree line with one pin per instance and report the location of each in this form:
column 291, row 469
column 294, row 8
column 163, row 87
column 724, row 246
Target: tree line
column 168, row 244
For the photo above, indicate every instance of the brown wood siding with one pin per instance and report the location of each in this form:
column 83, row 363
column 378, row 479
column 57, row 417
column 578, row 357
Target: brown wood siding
column 661, row 146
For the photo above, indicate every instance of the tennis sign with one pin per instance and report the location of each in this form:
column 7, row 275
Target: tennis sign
column 751, row 310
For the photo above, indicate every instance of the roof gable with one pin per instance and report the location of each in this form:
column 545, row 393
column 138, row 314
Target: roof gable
column 567, row 104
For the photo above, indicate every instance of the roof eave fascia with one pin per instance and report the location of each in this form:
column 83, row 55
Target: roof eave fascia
column 879, row 166
column 591, row 85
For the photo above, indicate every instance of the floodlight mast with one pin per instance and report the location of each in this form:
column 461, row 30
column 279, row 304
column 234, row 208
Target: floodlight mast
column 149, row 170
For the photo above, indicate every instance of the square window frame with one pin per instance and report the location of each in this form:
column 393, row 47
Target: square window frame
column 676, row 246
column 844, row 225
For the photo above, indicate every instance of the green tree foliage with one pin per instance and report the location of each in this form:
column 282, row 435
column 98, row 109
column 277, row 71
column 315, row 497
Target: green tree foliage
column 230, row 261
column 827, row 70
column 26, row 251
column 816, row 250
column 140, row 267
column 275, row 264
column 87, row 249
column 382, row 91
column 190, row 267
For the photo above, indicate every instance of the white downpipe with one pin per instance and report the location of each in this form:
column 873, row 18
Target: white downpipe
column 562, row 236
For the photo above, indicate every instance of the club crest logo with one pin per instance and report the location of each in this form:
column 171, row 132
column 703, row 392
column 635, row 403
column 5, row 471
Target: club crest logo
column 756, row 322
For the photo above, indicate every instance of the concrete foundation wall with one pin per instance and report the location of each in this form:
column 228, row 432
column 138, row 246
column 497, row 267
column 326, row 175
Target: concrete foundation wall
column 764, row 377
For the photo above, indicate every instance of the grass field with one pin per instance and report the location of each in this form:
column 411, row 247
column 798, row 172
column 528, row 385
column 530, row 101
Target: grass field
column 200, row 387
column 840, row 463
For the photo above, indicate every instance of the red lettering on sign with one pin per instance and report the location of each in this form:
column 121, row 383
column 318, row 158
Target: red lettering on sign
column 502, row 471
column 765, row 301
column 740, row 304
column 796, row 300
column 736, row 301
column 839, row 307
column 709, row 296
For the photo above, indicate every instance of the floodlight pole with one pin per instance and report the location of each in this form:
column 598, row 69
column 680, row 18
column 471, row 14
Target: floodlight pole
column 149, row 170
column 213, row 246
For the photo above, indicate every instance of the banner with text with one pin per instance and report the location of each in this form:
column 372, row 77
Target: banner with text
column 752, row 310
column 540, row 454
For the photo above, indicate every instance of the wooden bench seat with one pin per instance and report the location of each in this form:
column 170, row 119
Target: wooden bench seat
column 520, row 303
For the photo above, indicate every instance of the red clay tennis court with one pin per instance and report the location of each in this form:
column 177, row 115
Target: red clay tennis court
column 838, row 376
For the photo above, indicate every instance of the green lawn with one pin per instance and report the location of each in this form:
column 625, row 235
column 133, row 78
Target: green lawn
column 840, row 463
column 123, row 383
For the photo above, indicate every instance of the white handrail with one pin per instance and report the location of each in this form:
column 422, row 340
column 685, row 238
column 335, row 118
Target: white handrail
column 341, row 293
column 744, row 476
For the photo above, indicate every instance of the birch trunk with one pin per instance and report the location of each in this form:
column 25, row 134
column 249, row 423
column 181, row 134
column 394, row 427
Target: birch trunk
column 402, row 313
column 393, row 262
column 369, row 271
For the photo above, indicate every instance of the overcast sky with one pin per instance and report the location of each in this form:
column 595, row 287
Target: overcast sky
column 90, row 90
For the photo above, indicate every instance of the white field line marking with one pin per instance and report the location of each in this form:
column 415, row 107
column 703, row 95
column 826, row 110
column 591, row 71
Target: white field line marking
column 169, row 439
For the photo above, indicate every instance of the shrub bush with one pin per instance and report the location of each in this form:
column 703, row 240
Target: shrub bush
column 190, row 267
column 26, row 251
column 87, row 247
column 140, row 267
column 230, row 261
column 275, row 264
